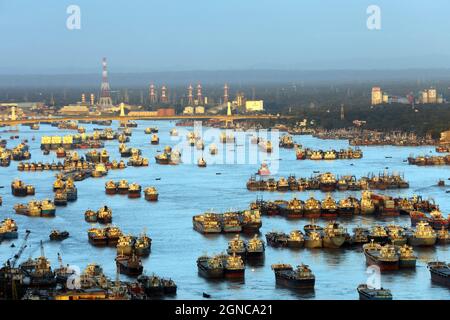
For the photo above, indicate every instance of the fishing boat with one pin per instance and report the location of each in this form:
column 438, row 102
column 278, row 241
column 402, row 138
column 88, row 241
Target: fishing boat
column 367, row 205
column 122, row 187
column 129, row 265
column 134, row 190
column 282, row 184
column 125, row 245
column 296, row 239
column 71, row 190
column 213, row 149
column 255, row 248
column 104, row 215
column 443, row 236
column 286, row 141
column 48, row 208
column 163, row 158
column 97, row 237
column 313, row 239
column 90, row 216
column 437, row 220
column 424, row 235
column 236, row 246
column 407, row 258
column 200, row 145
column 378, row 234
column 277, row 239
column 18, row 188
column 300, row 278
column 143, row 244
column 396, row 235
column 113, row 234
column 334, row 235
column 417, row 216
column 201, row 162
column 100, row 170
column 104, row 156
column 207, row 223
column 151, row 194
column 312, row 208
column 329, row 207
column 210, row 267
column 440, row 272
column 346, row 207
column 231, row 222
column 300, row 154
column 155, row 139
column 58, row 184
column 110, row 187
column 60, row 198
column 60, row 152
column 293, row 183
column 293, row 209
column 8, row 229
column 327, row 182
column 234, row 267
column 366, row 293
column 58, row 235
column 264, row 170
column 250, row 221
column 385, row 257
column 360, row 236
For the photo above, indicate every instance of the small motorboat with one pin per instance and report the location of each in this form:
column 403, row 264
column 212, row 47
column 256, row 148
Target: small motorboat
column 56, row 235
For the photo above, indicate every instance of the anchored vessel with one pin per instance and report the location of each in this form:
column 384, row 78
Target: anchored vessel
column 440, row 272
column 134, row 190
column 407, row 258
column 300, row 278
column 58, row 235
column 385, row 257
column 151, row 194
column 8, row 229
column 234, row 267
column 236, row 246
column 210, row 267
column 255, row 248
column 207, row 223
column 366, row 293
column 104, row 215
column 129, row 265
column 334, row 235
column 423, row 236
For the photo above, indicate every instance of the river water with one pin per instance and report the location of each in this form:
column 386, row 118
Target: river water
column 186, row 190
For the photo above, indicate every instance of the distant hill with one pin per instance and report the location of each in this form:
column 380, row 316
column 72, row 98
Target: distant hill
column 240, row 77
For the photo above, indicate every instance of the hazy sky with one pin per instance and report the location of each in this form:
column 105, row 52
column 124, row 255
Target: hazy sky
column 150, row 35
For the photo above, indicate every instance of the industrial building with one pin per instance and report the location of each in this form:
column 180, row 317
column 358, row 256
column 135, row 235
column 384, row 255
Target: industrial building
column 254, row 105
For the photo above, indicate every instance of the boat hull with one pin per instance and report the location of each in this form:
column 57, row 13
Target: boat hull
column 333, row 242
column 407, row 263
column 383, row 265
column 311, row 244
column 234, row 273
column 421, row 242
column 308, row 283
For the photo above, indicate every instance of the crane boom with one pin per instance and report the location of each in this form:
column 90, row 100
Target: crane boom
column 21, row 249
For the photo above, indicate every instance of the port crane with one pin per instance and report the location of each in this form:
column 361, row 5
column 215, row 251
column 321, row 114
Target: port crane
column 12, row 262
